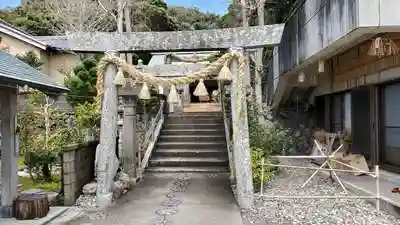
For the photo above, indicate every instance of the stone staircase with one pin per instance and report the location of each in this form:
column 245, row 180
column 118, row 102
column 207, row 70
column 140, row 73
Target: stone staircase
column 191, row 142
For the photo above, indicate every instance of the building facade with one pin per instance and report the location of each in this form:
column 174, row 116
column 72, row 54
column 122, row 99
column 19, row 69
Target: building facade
column 56, row 61
column 327, row 61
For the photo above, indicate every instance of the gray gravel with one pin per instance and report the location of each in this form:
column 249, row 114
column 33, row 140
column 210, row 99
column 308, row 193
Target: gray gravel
column 311, row 211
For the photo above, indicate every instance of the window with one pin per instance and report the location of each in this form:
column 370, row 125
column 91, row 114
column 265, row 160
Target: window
column 340, row 112
column 337, row 109
column 390, row 153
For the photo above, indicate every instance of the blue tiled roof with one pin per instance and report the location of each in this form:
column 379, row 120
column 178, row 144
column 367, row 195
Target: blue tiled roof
column 13, row 70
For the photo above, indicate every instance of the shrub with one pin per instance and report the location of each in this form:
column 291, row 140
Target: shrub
column 87, row 119
column 257, row 155
column 81, row 81
column 268, row 135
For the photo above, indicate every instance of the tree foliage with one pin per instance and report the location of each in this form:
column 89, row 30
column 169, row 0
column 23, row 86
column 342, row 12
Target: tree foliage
column 151, row 15
column 275, row 12
column 44, row 131
column 50, row 17
column 35, row 22
column 193, row 18
column 31, row 59
column 82, row 81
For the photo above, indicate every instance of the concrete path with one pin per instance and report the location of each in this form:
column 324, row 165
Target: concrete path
column 190, row 199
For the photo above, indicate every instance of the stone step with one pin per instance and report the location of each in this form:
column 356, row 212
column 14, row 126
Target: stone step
column 186, row 120
column 190, row 145
column 191, row 138
column 185, row 169
column 195, row 115
column 190, row 153
column 189, row 161
column 194, row 126
column 216, row 131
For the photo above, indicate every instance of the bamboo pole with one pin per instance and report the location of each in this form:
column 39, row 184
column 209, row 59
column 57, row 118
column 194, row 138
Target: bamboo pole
column 378, row 189
column 262, row 176
column 312, row 168
column 318, row 197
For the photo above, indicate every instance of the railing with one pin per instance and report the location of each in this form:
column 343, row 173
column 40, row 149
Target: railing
column 227, row 126
column 150, row 139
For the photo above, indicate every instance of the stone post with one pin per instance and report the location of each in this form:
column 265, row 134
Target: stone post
column 9, row 154
column 186, row 94
column 129, row 139
column 241, row 146
column 107, row 162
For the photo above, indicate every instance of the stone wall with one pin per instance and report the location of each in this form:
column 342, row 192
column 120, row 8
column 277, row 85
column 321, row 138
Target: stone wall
column 77, row 169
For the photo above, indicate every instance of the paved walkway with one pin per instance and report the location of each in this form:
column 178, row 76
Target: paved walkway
column 195, row 199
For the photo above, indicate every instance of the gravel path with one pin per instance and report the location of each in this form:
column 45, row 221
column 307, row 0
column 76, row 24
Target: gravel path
column 311, row 211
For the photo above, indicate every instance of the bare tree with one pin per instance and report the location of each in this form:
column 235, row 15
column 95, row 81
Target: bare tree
column 247, row 8
column 84, row 15
column 259, row 57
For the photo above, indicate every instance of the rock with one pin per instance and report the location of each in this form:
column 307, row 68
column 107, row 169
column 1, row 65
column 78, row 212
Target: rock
column 56, row 169
column 23, row 174
column 126, row 181
column 52, row 196
column 118, row 189
column 90, row 188
column 86, row 201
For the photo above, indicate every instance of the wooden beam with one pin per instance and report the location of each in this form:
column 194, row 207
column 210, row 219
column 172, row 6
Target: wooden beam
column 247, row 37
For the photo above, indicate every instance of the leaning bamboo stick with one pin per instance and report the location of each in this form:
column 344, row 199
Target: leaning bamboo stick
column 318, row 197
column 310, row 167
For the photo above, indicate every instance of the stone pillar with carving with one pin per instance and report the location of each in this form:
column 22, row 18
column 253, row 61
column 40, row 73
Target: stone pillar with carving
column 106, row 159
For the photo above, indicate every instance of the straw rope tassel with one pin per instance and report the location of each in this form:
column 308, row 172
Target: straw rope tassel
column 119, row 78
column 137, row 75
column 377, row 48
column 201, row 89
column 145, row 93
column 160, row 89
column 173, row 95
column 225, row 73
column 392, row 48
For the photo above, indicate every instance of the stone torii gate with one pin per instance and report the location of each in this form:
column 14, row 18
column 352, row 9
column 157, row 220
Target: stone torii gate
column 237, row 40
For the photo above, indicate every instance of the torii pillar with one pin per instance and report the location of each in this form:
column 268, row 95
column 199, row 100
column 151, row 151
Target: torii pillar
column 106, row 159
column 241, row 143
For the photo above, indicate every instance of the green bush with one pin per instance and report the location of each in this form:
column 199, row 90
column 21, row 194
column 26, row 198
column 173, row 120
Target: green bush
column 260, row 172
column 40, row 163
column 81, row 81
column 87, row 115
column 269, row 136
